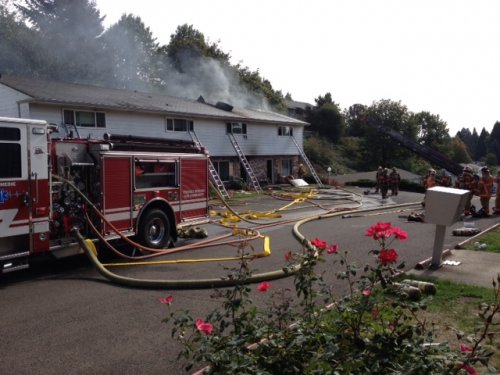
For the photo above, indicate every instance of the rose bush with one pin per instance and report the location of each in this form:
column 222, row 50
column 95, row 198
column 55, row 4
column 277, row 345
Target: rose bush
column 374, row 329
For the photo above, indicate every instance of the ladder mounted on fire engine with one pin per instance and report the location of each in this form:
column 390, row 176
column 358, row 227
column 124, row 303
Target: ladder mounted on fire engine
column 424, row 151
column 308, row 163
column 245, row 163
column 211, row 168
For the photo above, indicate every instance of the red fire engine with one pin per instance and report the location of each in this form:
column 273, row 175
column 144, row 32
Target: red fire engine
column 140, row 188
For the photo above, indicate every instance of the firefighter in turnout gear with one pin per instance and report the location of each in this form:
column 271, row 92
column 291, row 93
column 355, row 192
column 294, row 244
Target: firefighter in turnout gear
column 496, row 210
column 378, row 176
column 484, row 189
column 465, row 182
column 301, row 171
column 395, row 180
column 384, row 183
column 430, row 180
column 445, row 179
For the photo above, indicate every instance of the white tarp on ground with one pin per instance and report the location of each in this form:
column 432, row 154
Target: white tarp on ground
column 298, row 182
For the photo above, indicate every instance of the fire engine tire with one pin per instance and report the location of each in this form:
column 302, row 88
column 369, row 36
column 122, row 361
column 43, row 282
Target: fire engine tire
column 154, row 229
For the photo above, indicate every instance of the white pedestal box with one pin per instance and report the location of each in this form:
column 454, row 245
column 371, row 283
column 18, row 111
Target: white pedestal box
column 443, row 207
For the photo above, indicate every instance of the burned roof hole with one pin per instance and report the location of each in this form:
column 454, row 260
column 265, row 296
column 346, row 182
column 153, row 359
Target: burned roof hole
column 224, row 106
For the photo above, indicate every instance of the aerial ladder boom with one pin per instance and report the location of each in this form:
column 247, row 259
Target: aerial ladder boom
column 426, row 152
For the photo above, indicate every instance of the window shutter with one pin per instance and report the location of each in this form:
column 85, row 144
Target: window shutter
column 100, row 119
column 244, row 128
column 69, row 117
column 228, row 128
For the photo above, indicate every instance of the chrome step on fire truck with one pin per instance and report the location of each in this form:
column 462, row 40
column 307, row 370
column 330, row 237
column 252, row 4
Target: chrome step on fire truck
column 47, row 184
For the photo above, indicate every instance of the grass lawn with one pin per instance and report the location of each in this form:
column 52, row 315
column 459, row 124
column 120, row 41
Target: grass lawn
column 491, row 239
column 455, row 308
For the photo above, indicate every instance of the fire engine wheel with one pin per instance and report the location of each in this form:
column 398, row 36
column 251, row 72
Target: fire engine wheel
column 154, row 231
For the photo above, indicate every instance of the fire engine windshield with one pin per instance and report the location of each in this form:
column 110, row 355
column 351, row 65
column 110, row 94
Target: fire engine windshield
column 155, row 174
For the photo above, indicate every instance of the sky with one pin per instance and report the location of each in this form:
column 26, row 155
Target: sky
column 439, row 56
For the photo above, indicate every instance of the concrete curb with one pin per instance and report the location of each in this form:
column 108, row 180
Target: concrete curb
column 461, row 244
column 446, row 253
column 426, row 262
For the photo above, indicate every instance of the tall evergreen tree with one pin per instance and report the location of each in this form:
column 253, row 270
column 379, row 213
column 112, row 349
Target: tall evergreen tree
column 68, row 39
column 482, row 145
column 18, row 54
column 494, row 145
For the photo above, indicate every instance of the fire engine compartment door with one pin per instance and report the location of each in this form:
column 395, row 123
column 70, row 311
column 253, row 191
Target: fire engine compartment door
column 194, row 188
column 116, row 193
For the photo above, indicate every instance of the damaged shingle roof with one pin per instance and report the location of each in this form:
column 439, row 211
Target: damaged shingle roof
column 70, row 94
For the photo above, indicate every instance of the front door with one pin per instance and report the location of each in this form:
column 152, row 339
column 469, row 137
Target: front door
column 270, row 171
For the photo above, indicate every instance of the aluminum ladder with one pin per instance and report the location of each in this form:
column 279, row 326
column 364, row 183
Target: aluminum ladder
column 245, row 163
column 308, row 163
column 219, row 185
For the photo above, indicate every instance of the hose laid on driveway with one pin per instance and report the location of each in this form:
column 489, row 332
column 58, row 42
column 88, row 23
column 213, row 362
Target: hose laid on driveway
column 178, row 284
column 215, row 282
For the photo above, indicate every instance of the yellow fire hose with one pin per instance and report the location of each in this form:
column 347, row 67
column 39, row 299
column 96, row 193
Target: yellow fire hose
column 153, row 252
column 91, row 252
column 209, row 283
column 178, row 284
column 265, row 253
column 232, row 216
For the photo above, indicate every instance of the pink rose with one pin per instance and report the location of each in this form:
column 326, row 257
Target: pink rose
column 167, row 300
column 332, row 249
column 204, row 327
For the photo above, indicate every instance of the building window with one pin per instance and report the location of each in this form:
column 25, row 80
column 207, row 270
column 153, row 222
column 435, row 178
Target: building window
column 285, row 131
column 222, row 168
column 86, row 119
column 286, row 167
column 236, row 128
column 178, row 125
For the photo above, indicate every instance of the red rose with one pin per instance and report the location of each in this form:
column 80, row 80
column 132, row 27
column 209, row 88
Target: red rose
column 387, row 256
column 263, row 286
column 320, row 244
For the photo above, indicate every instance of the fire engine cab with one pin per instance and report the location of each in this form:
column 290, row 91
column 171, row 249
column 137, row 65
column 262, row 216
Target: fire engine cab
column 48, row 186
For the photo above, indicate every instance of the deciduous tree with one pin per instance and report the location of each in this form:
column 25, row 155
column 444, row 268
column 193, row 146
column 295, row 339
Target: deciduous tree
column 133, row 51
column 326, row 118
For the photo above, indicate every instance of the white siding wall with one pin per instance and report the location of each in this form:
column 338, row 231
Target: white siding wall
column 261, row 139
column 8, row 101
column 51, row 114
